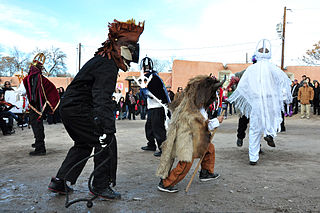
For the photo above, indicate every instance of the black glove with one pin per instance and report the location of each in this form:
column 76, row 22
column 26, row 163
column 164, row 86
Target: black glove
column 106, row 139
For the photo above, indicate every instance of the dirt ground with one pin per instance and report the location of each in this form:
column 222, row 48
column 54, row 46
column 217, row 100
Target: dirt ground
column 286, row 178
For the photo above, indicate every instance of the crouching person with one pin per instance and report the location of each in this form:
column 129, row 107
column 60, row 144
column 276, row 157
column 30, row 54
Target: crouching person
column 189, row 134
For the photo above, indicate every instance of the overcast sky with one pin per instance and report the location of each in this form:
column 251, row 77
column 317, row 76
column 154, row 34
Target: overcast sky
column 206, row 30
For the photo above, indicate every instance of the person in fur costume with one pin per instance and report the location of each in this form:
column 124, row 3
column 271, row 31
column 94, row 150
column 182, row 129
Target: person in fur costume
column 189, row 135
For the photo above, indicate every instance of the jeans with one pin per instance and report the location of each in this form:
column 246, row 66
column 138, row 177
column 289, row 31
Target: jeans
column 143, row 112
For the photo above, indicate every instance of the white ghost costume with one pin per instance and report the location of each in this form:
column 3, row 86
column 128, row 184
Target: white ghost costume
column 260, row 95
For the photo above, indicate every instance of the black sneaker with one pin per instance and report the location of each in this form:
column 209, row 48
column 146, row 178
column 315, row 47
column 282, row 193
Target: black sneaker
column 252, row 163
column 205, row 175
column 148, row 148
column 57, row 186
column 38, row 152
column 106, row 193
column 169, row 189
column 269, row 140
column 158, row 154
column 239, row 142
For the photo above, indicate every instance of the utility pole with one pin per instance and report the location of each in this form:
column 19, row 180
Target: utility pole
column 79, row 56
column 246, row 58
column 283, row 35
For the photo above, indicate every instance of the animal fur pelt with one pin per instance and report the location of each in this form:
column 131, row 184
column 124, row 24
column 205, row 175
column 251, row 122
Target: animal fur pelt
column 188, row 135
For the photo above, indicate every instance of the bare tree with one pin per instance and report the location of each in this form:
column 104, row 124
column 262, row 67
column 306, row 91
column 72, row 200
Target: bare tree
column 13, row 63
column 21, row 60
column 7, row 66
column 312, row 56
column 55, row 61
column 159, row 65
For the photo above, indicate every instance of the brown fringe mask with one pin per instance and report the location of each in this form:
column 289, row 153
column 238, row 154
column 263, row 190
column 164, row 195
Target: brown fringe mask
column 120, row 34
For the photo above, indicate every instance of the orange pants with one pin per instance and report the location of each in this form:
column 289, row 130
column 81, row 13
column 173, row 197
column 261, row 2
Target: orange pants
column 182, row 168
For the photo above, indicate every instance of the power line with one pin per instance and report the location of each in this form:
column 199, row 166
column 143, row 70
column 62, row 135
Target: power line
column 199, row 48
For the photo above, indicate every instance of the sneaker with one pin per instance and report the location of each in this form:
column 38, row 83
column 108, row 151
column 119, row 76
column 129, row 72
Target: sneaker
column 252, row 163
column 239, row 142
column 38, row 152
column 269, row 140
column 148, row 148
column 57, row 186
column 285, row 114
column 107, row 193
column 205, row 175
column 33, row 145
column 308, row 117
column 170, row 189
column 158, row 154
column 302, row 116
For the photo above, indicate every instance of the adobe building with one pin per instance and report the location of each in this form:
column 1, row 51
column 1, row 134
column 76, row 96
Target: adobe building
column 57, row 81
column 182, row 71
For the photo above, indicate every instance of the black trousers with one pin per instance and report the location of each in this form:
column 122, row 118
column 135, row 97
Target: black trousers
column 316, row 106
column 154, row 128
column 131, row 108
column 80, row 129
column 3, row 125
column 283, row 128
column 242, row 127
column 295, row 106
column 38, row 129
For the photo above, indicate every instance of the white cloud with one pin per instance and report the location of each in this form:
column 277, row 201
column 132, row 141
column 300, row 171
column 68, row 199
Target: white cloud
column 233, row 27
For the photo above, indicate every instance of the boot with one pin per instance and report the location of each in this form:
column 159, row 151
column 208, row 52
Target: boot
column 269, row 140
column 57, row 186
column 107, row 193
column 239, row 142
column 38, row 152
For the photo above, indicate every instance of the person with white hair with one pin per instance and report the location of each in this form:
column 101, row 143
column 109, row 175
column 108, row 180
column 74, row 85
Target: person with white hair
column 259, row 96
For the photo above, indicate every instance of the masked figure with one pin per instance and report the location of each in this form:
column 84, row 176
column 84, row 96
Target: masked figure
column 259, row 96
column 87, row 109
column 189, row 134
column 43, row 96
column 157, row 101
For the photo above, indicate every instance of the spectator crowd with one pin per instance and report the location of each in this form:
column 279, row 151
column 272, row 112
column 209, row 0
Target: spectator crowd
column 306, row 96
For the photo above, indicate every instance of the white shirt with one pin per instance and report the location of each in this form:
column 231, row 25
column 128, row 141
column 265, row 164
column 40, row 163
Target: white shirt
column 213, row 123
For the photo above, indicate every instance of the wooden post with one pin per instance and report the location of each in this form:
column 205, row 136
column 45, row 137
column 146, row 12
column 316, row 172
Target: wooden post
column 283, row 35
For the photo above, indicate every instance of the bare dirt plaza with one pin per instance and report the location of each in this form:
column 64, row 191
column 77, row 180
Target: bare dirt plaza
column 286, row 178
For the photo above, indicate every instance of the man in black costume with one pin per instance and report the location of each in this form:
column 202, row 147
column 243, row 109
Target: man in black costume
column 157, row 99
column 87, row 109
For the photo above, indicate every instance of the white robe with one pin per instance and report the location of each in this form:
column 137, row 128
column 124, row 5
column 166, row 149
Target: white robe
column 259, row 96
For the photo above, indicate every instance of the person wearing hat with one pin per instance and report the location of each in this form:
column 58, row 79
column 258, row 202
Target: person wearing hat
column 305, row 96
column 157, row 102
column 303, row 79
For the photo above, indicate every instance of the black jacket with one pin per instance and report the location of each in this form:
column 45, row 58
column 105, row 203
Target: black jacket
column 295, row 91
column 128, row 100
column 123, row 108
column 90, row 94
column 156, row 87
column 316, row 93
